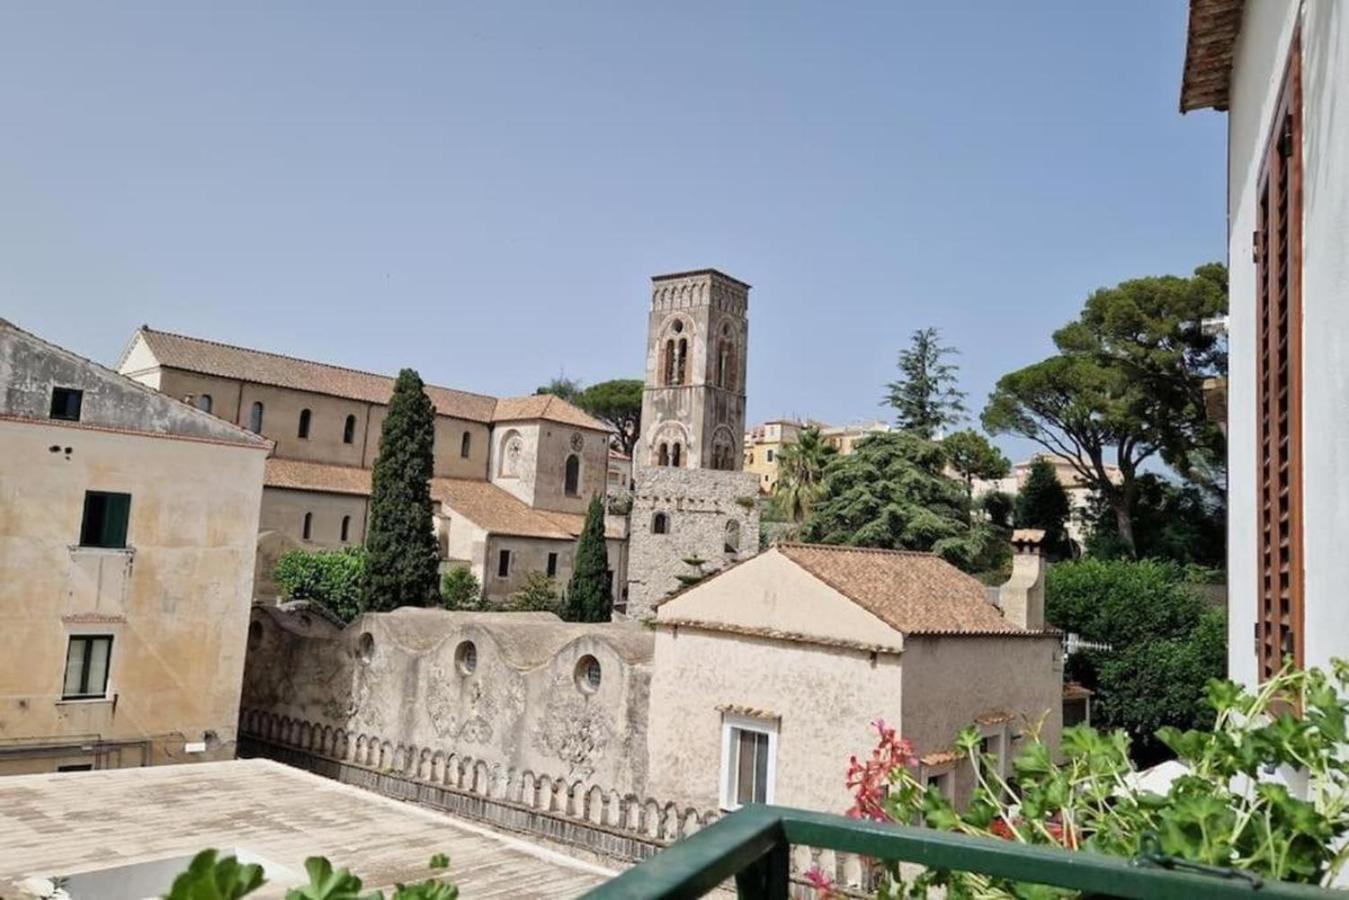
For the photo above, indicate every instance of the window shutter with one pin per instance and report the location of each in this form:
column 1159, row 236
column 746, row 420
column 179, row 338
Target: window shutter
column 116, row 516
column 1278, row 258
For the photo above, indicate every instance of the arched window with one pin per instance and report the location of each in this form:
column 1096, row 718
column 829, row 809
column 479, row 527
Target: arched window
column 304, row 424
column 663, row 457
column 346, row 529
column 204, row 403
column 308, row 525
column 465, row 445
column 572, row 480
column 349, row 430
column 732, row 537
column 660, row 523
column 676, row 455
column 255, row 418
column 668, row 362
column 681, row 364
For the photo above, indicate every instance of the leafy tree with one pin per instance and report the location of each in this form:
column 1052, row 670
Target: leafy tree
column 589, row 598
column 403, row 561
column 891, row 492
column 1164, row 644
column 460, row 589
column 1125, row 382
column 330, row 577
column 925, row 395
column 538, row 595
column 617, row 403
column 998, row 506
column 1178, row 522
column 972, row 456
column 1153, row 329
column 1043, row 503
column 561, row 386
column 801, row 467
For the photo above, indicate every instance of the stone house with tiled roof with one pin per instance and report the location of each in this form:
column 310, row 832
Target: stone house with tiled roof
column 512, row 476
column 769, row 674
column 128, row 522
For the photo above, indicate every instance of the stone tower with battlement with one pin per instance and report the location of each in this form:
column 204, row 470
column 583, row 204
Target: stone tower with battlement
column 691, row 500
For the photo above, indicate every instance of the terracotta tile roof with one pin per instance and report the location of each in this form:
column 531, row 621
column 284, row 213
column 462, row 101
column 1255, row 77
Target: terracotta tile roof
column 1072, row 690
column 227, row 361
column 772, row 634
column 545, row 406
column 941, row 758
column 309, row 476
column 1212, row 36
column 481, row 502
column 915, row 593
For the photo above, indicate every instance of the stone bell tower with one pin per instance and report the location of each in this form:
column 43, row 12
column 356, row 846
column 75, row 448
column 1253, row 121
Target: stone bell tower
column 691, row 499
column 693, row 406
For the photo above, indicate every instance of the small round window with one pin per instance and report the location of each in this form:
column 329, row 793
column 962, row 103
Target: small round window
column 365, row 647
column 678, row 326
column 466, row 658
column 588, row 674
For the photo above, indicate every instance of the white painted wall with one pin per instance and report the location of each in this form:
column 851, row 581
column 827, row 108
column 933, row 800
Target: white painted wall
column 1261, row 54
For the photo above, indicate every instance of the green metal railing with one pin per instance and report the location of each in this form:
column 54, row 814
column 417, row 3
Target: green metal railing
column 753, row 846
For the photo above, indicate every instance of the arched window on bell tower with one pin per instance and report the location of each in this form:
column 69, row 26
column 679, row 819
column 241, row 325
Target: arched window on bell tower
column 663, row 455
column 676, row 455
column 682, row 362
column 668, row 363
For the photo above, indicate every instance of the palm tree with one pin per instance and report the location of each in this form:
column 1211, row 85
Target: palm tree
column 801, row 473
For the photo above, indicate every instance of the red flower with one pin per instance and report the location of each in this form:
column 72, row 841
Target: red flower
column 869, row 779
column 821, row 882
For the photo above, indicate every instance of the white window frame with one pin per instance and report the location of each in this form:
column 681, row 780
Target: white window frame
column 945, row 779
column 730, row 723
column 1002, row 734
column 86, row 630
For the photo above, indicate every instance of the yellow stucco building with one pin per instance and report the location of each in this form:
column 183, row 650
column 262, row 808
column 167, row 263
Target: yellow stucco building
column 128, row 523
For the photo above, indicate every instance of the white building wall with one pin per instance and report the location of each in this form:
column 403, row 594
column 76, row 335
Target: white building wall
column 1261, row 55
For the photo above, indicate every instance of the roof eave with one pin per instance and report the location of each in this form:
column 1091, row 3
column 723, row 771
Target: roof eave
column 1209, row 45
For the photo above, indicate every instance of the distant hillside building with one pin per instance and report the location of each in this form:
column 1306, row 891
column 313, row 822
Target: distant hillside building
column 1080, row 495
column 764, row 444
column 128, row 522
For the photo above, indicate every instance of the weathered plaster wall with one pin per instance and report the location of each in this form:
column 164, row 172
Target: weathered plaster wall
column 699, row 504
column 284, row 510
column 950, row 681
column 176, row 602
column 529, row 555
column 521, row 706
column 823, row 699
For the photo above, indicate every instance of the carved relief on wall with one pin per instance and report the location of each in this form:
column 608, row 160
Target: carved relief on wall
column 575, row 731
column 473, row 723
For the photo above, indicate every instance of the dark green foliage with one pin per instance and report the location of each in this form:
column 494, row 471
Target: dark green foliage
column 971, row 456
column 403, row 564
column 538, row 595
column 925, row 396
column 891, row 492
column 801, row 467
column 617, row 403
column 331, row 577
column 460, row 589
column 1165, row 643
column 1179, row 522
column 1043, row 503
column 998, row 507
column 1127, row 385
column 212, row 878
column 561, row 386
column 589, row 598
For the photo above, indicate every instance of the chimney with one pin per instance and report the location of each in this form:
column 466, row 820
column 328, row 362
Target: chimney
column 1022, row 596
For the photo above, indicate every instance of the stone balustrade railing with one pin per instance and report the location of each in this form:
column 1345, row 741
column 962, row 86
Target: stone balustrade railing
column 623, row 828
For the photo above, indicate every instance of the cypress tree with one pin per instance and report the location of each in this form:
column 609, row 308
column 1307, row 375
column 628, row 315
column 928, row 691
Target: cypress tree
column 588, row 596
column 403, row 559
column 1043, row 503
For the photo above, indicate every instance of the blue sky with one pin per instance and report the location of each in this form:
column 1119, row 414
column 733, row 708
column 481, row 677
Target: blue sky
column 482, row 190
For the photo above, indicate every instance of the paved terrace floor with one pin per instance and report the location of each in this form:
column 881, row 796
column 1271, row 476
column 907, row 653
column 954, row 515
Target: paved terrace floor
column 80, row 821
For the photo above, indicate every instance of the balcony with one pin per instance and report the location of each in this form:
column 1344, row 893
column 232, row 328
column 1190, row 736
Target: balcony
column 755, row 847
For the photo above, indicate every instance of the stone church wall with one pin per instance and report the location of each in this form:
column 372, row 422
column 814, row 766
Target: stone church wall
column 700, row 505
column 522, row 703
